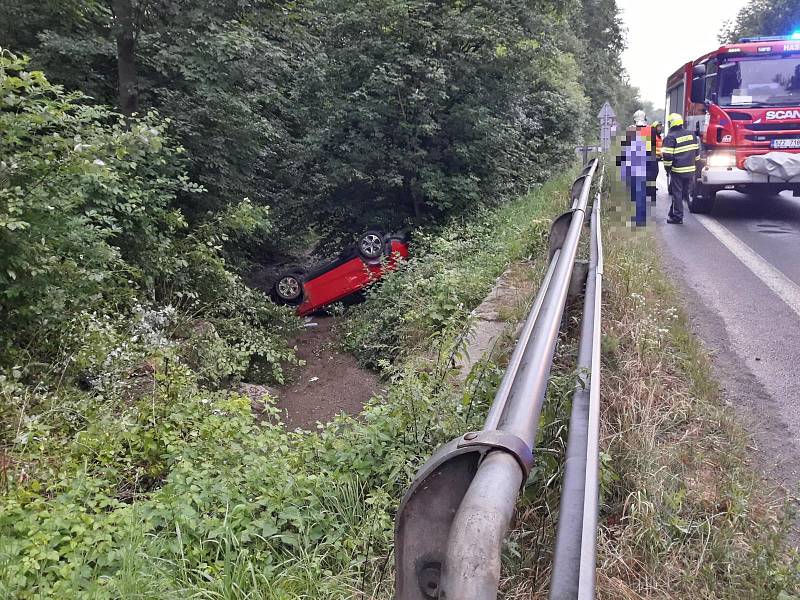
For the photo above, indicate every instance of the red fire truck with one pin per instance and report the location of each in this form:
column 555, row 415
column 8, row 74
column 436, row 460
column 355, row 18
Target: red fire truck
column 743, row 100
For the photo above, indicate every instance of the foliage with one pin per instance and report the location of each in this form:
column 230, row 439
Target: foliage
column 130, row 492
column 129, row 497
column 451, row 271
column 343, row 115
column 762, row 18
column 600, row 41
column 90, row 224
column 434, row 108
column 227, row 75
column 130, row 468
column 85, row 201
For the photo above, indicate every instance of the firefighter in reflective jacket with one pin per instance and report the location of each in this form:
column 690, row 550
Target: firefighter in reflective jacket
column 658, row 141
column 658, row 134
column 648, row 134
column 680, row 151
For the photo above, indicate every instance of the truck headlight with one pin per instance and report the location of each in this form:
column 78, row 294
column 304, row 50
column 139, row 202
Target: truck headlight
column 721, row 159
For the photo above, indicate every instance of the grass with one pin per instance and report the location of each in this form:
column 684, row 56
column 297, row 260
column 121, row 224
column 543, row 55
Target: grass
column 241, row 508
column 237, row 507
column 682, row 515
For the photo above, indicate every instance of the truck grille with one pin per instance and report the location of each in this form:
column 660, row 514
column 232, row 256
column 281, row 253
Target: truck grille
column 772, row 127
column 768, row 137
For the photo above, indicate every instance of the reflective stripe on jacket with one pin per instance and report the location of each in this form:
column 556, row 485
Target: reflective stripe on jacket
column 680, row 150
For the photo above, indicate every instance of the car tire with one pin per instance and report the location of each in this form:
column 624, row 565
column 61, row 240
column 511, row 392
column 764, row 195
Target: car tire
column 370, row 244
column 701, row 200
column 288, row 289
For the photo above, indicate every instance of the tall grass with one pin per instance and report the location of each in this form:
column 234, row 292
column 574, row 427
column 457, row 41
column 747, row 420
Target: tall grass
column 682, row 515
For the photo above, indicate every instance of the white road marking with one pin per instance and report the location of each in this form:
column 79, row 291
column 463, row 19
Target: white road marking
column 783, row 287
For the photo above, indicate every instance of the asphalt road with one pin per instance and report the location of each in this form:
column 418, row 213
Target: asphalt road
column 739, row 271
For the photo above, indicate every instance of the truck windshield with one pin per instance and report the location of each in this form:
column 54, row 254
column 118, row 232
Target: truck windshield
column 760, row 82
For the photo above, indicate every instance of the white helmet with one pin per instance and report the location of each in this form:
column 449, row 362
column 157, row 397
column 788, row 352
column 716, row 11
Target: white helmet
column 639, row 118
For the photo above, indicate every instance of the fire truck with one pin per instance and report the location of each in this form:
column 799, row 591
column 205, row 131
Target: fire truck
column 743, row 101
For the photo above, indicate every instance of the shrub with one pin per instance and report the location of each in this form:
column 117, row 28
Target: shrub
column 91, row 235
column 451, row 270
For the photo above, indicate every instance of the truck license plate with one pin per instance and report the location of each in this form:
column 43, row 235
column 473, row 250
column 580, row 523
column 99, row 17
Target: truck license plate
column 795, row 143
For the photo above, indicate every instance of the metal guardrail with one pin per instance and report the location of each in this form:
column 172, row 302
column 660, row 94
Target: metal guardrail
column 574, row 557
column 453, row 519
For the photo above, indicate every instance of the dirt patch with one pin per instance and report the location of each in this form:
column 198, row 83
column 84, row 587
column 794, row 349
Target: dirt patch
column 330, row 382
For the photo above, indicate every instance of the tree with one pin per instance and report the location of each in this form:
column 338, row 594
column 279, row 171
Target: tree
column 600, row 42
column 344, row 114
column 87, row 201
column 431, row 108
column 763, row 18
column 228, row 74
column 127, row 83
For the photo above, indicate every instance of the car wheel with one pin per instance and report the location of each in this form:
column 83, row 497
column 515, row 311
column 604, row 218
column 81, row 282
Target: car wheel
column 370, row 245
column 701, row 200
column 289, row 288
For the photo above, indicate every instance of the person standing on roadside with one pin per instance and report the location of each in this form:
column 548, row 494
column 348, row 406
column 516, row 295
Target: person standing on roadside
column 655, row 155
column 680, row 152
column 648, row 134
column 633, row 166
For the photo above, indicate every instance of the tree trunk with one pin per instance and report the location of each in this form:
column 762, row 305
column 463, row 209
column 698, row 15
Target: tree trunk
column 126, row 56
column 417, row 203
column 419, row 208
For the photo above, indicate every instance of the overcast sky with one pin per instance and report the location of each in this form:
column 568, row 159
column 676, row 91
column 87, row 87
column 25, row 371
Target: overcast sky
column 658, row 45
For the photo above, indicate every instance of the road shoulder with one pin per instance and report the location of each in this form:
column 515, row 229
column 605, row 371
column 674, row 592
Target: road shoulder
column 686, row 513
column 774, row 456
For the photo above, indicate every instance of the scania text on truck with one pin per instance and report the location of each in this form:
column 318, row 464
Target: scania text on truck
column 743, row 100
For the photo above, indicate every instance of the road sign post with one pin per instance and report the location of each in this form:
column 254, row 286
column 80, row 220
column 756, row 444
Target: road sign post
column 608, row 126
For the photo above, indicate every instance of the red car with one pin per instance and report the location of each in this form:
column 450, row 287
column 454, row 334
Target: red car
column 354, row 269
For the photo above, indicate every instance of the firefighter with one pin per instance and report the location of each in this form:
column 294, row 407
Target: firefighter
column 680, row 152
column 648, row 134
column 652, row 166
column 658, row 132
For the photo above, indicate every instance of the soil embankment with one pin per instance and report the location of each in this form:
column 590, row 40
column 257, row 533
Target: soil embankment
column 330, row 382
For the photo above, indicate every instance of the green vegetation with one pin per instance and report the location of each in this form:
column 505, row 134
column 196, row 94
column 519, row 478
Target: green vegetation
column 763, row 17
column 339, row 114
column 176, row 491
column 683, row 514
column 172, row 144
column 92, row 236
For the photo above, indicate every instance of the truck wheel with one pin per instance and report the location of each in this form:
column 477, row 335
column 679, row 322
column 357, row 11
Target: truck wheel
column 701, row 200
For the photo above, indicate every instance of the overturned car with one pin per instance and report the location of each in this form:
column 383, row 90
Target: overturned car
column 357, row 266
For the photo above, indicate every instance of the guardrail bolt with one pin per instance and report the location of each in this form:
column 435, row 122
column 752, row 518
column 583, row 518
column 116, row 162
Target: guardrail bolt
column 470, row 436
column 429, row 580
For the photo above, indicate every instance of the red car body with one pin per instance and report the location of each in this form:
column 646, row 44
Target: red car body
column 348, row 274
